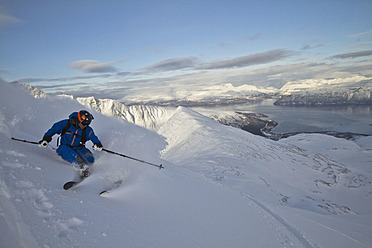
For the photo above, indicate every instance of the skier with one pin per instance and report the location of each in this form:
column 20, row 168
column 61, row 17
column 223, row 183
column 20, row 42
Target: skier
column 74, row 132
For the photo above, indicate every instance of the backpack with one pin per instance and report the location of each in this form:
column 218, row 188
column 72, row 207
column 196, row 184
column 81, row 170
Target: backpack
column 83, row 134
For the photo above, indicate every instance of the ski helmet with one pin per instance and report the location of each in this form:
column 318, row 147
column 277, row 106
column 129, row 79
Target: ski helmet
column 85, row 117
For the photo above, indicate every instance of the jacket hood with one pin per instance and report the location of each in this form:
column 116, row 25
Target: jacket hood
column 72, row 115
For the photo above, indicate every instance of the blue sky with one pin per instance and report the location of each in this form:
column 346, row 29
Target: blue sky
column 91, row 47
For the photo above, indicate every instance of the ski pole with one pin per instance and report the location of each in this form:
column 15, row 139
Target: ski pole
column 30, row 142
column 125, row 156
column 26, row 141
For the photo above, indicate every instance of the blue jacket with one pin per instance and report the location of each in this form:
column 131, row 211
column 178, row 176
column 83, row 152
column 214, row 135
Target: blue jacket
column 72, row 137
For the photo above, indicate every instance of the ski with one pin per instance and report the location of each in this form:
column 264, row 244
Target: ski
column 103, row 192
column 83, row 172
column 114, row 186
column 70, row 184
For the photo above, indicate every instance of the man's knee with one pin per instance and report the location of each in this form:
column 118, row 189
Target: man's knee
column 90, row 159
column 67, row 153
column 86, row 155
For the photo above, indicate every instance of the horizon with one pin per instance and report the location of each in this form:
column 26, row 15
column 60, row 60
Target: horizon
column 124, row 49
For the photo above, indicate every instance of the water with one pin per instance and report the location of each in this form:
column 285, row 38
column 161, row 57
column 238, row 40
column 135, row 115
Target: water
column 355, row 119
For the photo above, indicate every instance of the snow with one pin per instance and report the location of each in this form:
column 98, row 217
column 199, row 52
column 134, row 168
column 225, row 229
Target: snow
column 221, row 186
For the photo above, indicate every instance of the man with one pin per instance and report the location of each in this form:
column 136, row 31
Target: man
column 74, row 132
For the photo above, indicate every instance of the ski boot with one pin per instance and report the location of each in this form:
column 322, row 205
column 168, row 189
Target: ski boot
column 84, row 169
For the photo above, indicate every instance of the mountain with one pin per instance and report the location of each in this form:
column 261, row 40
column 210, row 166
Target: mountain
column 255, row 123
column 199, row 95
column 326, row 92
column 354, row 90
column 221, row 186
column 37, row 93
column 346, row 90
column 355, row 96
column 143, row 115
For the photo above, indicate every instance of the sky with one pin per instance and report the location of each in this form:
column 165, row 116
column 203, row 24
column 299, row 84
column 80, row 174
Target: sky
column 116, row 48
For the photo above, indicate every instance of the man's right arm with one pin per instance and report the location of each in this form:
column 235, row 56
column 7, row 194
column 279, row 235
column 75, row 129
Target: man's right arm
column 57, row 128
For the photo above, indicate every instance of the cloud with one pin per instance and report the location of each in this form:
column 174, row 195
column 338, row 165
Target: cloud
column 174, row 64
column 360, row 34
column 254, row 59
column 308, row 46
column 92, row 66
column 8, row 20
column 240, row 39
column 360, row 44
column 255, row 36
column 353, row 55
column 62, row 79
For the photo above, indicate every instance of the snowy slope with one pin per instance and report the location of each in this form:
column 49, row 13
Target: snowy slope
column 221, row 186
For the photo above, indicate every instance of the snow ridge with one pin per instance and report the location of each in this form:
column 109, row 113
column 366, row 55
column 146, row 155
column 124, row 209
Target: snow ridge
column 151, row 117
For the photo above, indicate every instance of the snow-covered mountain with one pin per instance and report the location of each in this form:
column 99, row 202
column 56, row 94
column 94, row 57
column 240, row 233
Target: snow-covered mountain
column 355, row 96
column 221, row 186
column 195, row 95
column 37, row 93
column 255, row 123
column 143, row 115
column 327, row 92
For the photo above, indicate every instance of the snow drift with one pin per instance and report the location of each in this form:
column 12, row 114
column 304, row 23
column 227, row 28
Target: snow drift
column 221, row 186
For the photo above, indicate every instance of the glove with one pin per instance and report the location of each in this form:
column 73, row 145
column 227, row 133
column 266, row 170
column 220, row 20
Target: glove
column 97, row 147
column 44, row 142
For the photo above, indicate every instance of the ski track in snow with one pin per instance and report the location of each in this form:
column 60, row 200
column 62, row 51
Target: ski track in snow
column 296, row 233
column 285, row 231
column 340, row 233
column 287, row 241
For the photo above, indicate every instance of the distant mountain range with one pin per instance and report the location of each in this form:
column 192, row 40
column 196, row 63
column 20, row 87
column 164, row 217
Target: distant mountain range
column 326, row 94
column 355, row 90
column 153, row 116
